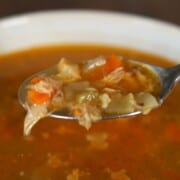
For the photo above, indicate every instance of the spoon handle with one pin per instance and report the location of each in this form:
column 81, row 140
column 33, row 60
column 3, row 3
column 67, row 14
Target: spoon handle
column 174, row 73
column 169, row 77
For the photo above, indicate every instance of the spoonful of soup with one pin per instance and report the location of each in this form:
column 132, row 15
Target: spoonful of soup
column 96, row 89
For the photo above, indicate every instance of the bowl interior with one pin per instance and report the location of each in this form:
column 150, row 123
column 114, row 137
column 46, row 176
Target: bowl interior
column 117, row 29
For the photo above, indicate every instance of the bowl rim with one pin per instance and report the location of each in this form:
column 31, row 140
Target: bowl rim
column 10, row 22
column 89, row 11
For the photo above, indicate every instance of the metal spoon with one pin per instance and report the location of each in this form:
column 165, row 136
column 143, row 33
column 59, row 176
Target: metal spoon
column 167, row 76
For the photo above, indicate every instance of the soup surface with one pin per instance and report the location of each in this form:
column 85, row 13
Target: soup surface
column 142, row 147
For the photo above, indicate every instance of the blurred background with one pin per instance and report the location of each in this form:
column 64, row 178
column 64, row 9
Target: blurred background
column 167, row 10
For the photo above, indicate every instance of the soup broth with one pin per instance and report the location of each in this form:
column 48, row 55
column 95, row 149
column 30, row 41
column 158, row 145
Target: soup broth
column 142, row 147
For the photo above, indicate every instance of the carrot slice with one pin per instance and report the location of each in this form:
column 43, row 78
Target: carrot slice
column 113, row 62
column 37, row 97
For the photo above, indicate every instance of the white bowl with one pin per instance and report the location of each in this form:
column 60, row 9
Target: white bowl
column 69, row 26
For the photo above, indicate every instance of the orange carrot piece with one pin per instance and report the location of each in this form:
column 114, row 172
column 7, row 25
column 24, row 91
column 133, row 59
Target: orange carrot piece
column 129, row 83
column 37, row 97
column 113, row 62
column 77, row 113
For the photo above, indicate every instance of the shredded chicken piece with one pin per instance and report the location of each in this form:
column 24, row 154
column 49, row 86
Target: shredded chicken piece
column 148, row 85
column 46, row 85
column 87, row 95
column 114, row 77
column 146, row 102
column 98, row 140
column 111, row 90
column 34, row 114
column 68, row 71
column 121, row 104
column 55, row 161
column 87, row 114
column 93, row 63
column 118, row 175
column 105, row 100
column 74, row 175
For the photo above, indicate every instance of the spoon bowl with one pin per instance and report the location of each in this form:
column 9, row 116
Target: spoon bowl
column 168, row 78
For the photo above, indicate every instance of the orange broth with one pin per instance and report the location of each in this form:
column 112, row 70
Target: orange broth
column 142, row 147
